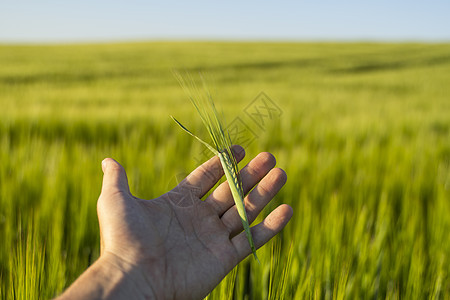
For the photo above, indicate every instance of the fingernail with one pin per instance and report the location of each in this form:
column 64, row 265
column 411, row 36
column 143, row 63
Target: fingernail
column 104, row 165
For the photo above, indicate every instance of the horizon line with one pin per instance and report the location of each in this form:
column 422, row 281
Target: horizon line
column 220, row 40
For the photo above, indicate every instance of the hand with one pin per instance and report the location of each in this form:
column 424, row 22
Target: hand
column 178, row 246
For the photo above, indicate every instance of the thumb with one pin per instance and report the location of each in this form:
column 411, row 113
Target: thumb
column 114, row 177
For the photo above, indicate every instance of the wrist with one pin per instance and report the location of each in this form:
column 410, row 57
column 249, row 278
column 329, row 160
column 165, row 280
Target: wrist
column 110, row 277
column 125, row 280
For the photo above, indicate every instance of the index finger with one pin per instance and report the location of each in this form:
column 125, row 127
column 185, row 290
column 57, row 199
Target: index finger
column 206, row 175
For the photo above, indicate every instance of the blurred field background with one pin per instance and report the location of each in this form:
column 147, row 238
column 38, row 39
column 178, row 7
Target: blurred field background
column 364, row 137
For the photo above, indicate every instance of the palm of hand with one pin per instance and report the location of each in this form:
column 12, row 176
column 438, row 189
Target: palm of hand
column 182, row 245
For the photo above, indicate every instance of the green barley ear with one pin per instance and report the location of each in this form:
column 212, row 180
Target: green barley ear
column 203, row 102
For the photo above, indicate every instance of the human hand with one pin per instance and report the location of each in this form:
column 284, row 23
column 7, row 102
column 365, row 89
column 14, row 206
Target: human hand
column 177, row 246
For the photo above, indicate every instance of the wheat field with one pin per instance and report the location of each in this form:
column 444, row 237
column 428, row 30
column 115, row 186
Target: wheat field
column 361, row 129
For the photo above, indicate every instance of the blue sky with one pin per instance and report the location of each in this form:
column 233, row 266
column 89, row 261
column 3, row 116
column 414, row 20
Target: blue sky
column 68, row 21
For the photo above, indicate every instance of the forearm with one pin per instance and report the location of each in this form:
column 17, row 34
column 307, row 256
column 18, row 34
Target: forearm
column 108, row 278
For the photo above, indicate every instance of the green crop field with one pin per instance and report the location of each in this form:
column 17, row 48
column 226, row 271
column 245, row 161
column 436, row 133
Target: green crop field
column 362, row 130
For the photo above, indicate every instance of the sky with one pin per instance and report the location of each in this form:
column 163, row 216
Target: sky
column 97, row 21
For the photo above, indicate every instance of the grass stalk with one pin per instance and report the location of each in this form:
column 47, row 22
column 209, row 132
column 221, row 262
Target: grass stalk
column 203, row 102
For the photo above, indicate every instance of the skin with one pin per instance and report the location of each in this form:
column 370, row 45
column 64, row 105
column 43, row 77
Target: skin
column 177, row 246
